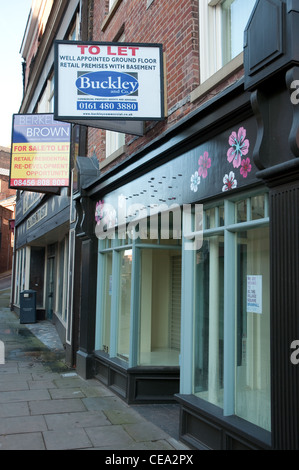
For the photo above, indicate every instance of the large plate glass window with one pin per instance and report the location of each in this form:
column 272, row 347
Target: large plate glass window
column 232, row 310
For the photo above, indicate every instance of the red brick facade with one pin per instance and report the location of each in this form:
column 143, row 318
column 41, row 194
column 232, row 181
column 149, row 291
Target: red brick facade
column 174, row 24
column 7, row 212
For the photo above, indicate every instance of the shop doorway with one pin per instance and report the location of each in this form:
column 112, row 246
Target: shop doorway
column 37, row 266
column 51, row 283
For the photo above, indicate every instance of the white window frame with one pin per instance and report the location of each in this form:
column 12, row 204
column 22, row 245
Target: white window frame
column 75, row 31
column 114, row 141
column 210, row 27
column 210, row 38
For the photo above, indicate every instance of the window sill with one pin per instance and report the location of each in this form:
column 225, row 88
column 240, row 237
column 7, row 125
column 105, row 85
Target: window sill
column 217, row 78
column 110, row 14
column 113, row 156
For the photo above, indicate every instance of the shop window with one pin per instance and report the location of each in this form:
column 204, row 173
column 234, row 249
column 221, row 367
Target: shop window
column 106, row 260
column 139, row 300
column 222, row 25
column 124, row 304
column 62, row 279
column 252, row 400
column 160, row 307
column 232, row 310
column 209, row 306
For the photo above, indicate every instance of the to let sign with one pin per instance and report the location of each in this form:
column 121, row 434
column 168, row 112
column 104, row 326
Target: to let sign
column 108, row 82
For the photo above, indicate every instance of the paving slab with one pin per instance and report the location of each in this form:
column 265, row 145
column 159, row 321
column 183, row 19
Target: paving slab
column 24, row 395
column 27, row 424
column 103, row 436
column 105, row 403
column 83, row 419
column 55, row 406
column 66, row 439
column 66, row 393
column 123, row 417
column 145, row 432
column 14, row 409
column 32, row 441
column 45, row 405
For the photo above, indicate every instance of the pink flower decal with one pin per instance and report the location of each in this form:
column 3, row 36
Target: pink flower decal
column 245, row 167
column 204, row 164
column 239, row 147
column 99, row 213
column 229, row 182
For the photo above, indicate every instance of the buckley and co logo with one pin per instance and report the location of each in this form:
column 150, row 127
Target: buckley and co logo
column 2, row 353
column 107, row 84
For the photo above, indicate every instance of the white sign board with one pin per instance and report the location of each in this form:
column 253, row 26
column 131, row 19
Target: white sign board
column 100, row 84
column 254, row 294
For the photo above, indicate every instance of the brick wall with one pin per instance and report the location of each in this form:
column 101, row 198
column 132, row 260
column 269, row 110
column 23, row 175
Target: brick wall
column 6, row 240
column 174, row 24
column 5, row 191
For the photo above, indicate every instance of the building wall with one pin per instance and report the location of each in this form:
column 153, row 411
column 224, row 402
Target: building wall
column 174, row 24
column 6, row 240
column 5, row 191
column 7, row 211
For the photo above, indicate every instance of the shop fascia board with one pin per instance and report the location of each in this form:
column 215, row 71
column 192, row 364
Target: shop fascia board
column 201, row 124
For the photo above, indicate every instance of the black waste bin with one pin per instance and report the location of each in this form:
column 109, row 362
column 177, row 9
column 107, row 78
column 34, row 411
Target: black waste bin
column 28, row 306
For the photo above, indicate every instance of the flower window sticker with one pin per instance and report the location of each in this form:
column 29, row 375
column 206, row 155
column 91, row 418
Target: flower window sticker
column 105, row 215
column 245, row 167
column 204, row 164
column 239, row 148
column 195, row 182
column 99, row 213
column 229, row 182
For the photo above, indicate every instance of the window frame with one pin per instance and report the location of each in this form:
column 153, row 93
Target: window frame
column 116, row 246
column 228, row 231
column 210, row 32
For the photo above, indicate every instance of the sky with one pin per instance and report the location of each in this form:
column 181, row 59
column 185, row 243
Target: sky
column 13, row 20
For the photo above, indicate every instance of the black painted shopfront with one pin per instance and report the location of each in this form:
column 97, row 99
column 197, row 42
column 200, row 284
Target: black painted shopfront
column 219, row 344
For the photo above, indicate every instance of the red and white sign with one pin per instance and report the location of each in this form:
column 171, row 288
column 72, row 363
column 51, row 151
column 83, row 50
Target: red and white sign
column 109, row 85
column 40, row 152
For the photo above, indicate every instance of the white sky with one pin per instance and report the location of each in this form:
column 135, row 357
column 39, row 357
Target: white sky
column 13, row 20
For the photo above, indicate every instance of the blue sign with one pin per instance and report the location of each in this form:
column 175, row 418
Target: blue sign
column 107, row 84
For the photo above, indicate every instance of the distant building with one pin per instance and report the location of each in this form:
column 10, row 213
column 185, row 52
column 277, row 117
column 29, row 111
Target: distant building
column 7, row 212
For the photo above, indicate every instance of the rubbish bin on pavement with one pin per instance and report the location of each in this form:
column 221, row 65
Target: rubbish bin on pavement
column 28, row 306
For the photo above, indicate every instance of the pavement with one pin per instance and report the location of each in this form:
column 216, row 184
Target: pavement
column 45, row 405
